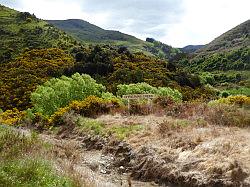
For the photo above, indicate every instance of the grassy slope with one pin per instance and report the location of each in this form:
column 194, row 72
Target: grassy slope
column 23, row 31
column 90, row 33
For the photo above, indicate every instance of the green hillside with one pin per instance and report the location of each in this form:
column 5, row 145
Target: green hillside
column 86, row 31
column 224, row 62
column 89, row 33
column 237, row 37
column 21, row 31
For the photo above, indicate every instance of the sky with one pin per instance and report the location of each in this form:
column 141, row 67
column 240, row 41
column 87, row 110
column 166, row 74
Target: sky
column 174, row 22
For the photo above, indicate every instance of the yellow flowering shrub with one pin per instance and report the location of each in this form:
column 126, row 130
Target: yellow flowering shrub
column 89, row 107
column 57, row 116
column 234, row 100
column 20, row 77
column 11, row 117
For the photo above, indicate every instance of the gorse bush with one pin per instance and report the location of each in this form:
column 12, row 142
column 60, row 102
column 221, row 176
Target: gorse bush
column 20, row 77
column 59, row 92
column 11, row 117
column 89, row 107
column 144, row 88
column 233, row 100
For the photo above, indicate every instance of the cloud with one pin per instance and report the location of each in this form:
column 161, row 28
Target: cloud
column 140, row 17
column 174, row 22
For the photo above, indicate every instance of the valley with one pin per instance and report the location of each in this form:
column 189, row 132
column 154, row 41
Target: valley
column 64, row 120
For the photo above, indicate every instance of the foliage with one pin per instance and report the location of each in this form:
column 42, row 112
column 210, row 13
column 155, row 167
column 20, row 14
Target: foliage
column 207, row 78
column 124, row 67
column 88, row 33
column 59, row 92
column 237, row 59
column 239, row 91
column 22, row 31
column 92, row 106
column 161, row 50
column 20, row 77
column 89, row 107
column 144, row 88
column 11, row 117
column 201, row 93
column 233, row 100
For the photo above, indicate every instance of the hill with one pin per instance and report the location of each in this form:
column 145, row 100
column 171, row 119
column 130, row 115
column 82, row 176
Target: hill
column 238, row 37
column 21, row 31
column 224, row 62
column 88, row 33
column 191, row 48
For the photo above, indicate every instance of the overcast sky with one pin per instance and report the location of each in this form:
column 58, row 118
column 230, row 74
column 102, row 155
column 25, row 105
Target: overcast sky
column 174, row 22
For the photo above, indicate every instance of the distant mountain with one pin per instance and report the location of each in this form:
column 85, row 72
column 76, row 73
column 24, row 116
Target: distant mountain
column 86, row 32
column 191, row 48
column 238, row 37
column 21, row 31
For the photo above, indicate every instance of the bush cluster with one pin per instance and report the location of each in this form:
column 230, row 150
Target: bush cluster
column 144, row 88
column 89, row 107
column 59, row 92
column 21, row 77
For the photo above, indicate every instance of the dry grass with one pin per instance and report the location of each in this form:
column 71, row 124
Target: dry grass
column 202, row 154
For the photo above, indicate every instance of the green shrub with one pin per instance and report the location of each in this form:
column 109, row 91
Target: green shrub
column 224, row 94
column 207, row 78
column 144, row 88
column 239, row 91
column 59, row 92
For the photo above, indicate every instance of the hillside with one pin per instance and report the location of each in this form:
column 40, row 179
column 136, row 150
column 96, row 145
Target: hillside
column 21, row 31
column 224, row 62
column 238, row 37
column 191, row 48
column 89, row 33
